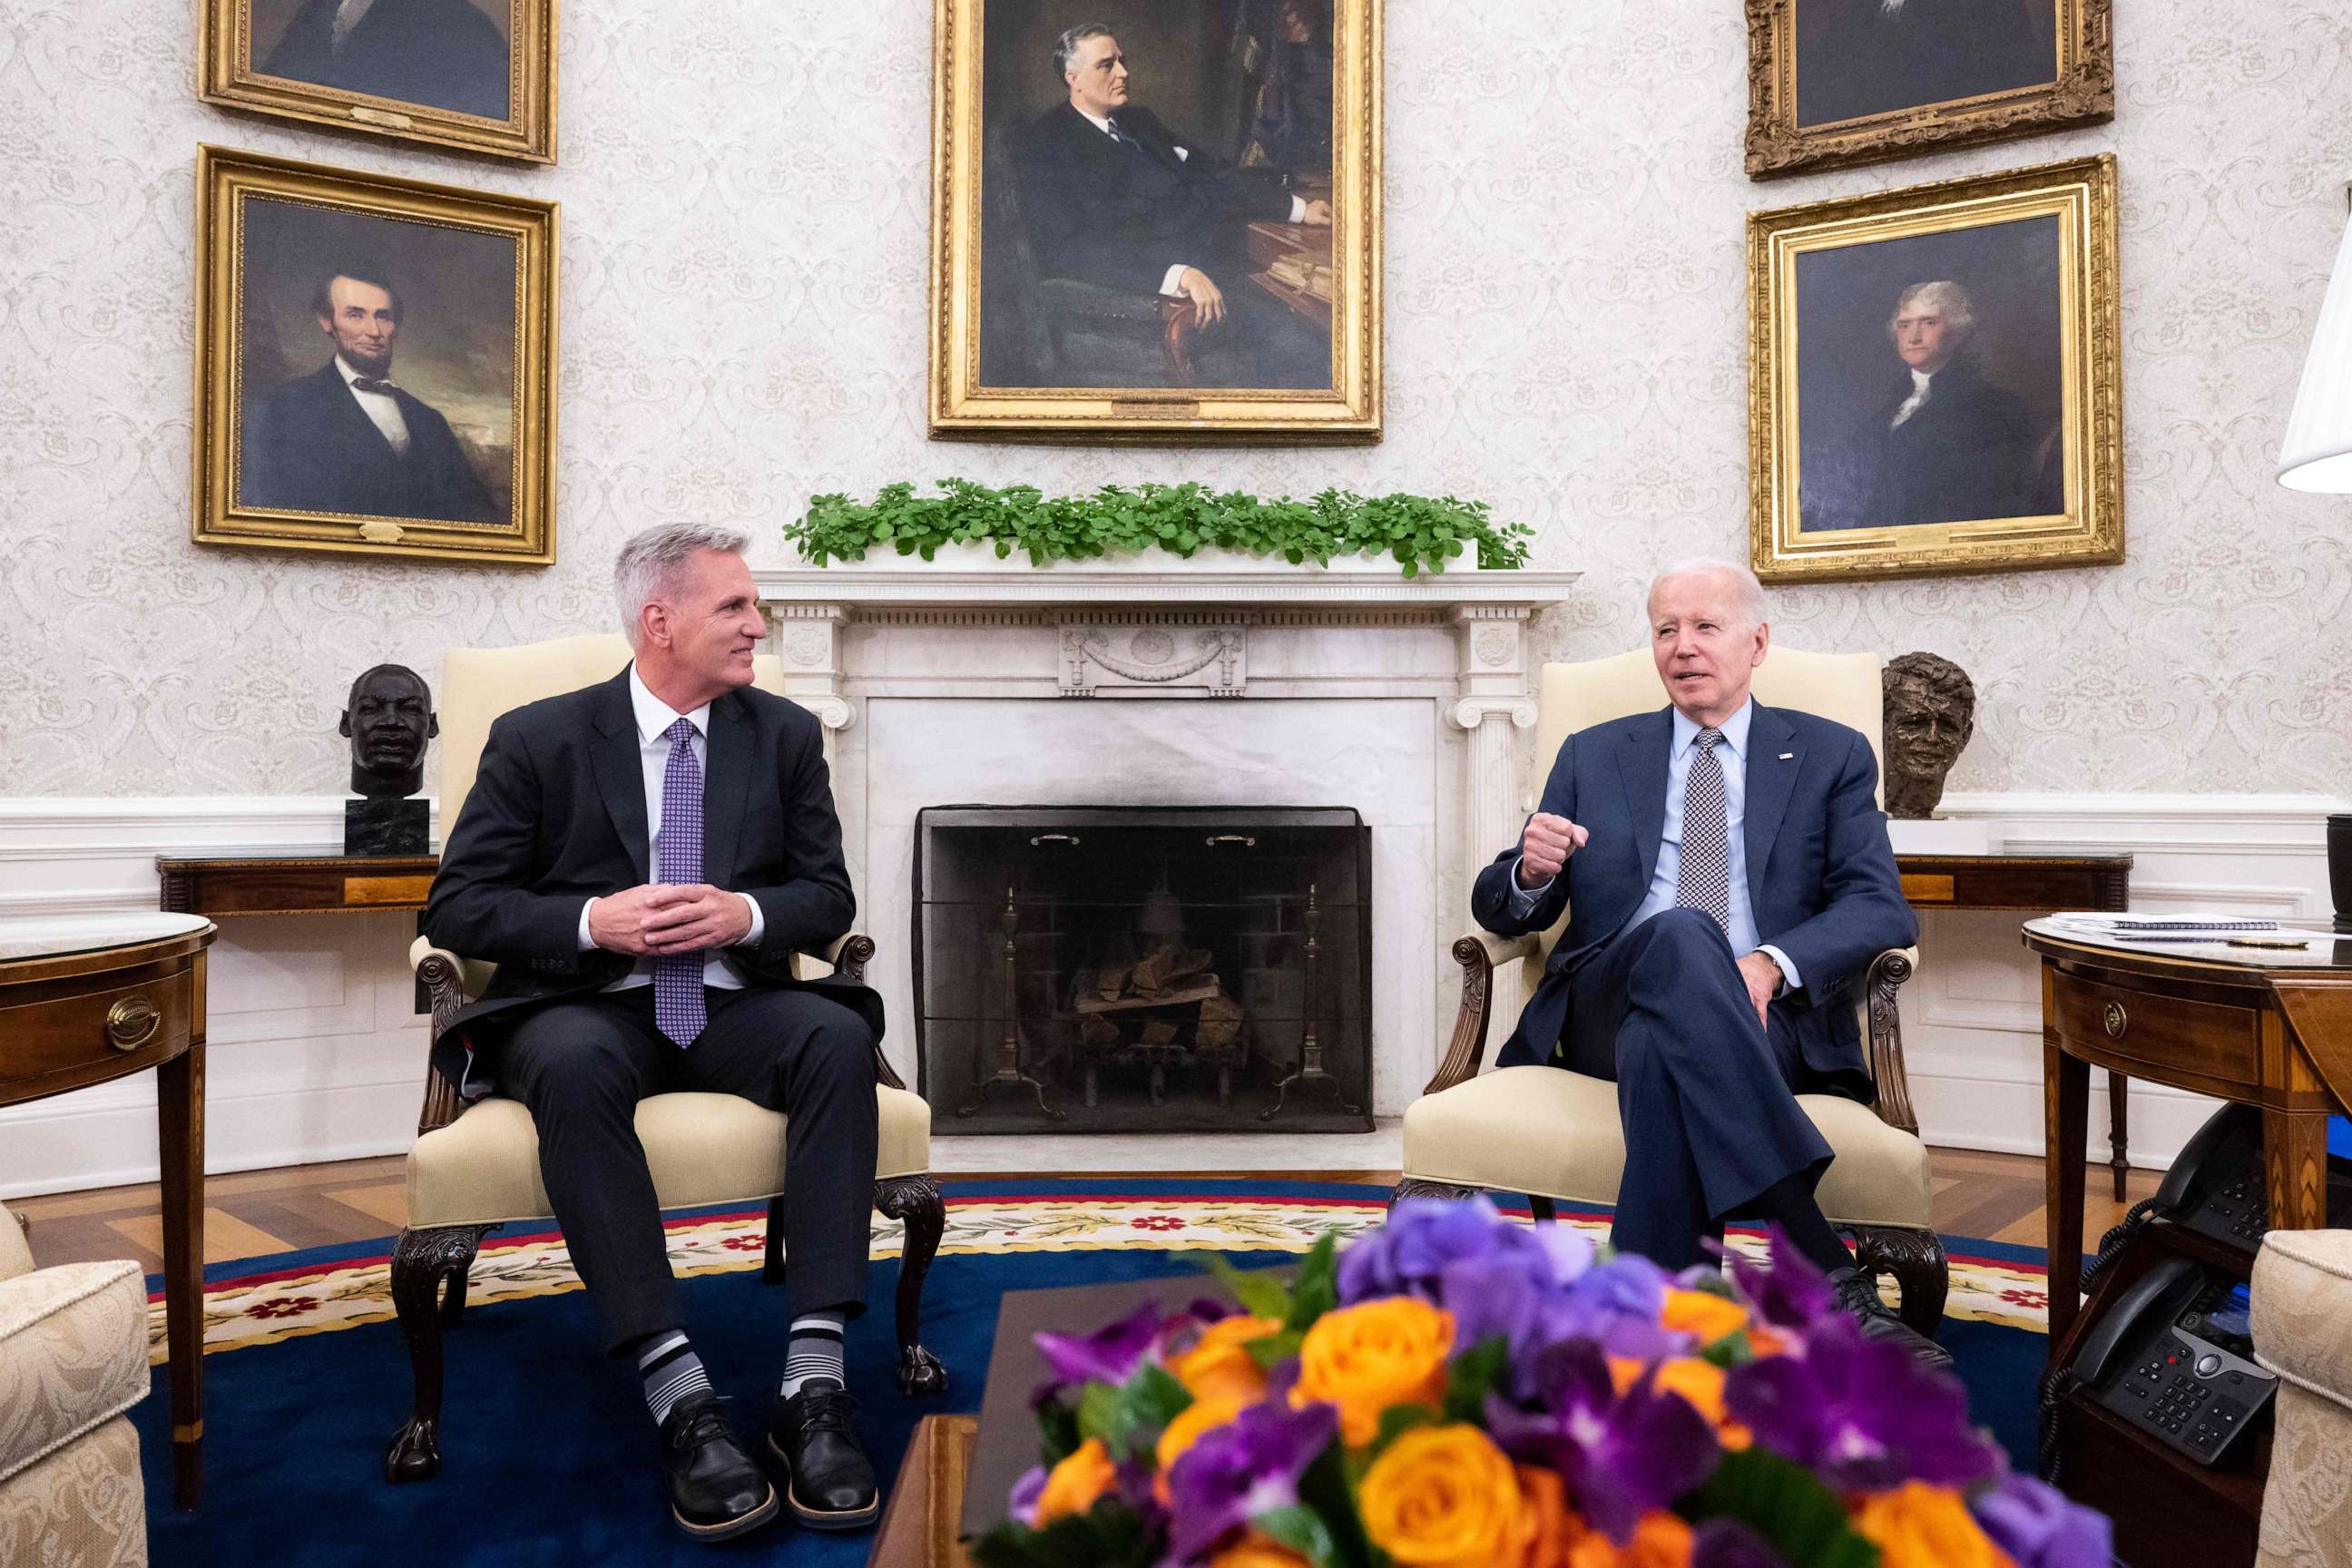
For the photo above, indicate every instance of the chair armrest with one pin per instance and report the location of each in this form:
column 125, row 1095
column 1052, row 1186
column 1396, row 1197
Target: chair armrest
column 1888, row 971
column 845, row 955
column 1478, row 953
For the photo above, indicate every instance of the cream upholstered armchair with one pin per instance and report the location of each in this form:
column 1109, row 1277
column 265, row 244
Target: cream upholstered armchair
column 475, row 1168
column 2302, row 1331
column 73, row 1358
column 1554, row 1135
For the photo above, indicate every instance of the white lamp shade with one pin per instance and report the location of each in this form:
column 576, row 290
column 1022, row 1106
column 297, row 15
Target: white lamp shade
column 2317, row 454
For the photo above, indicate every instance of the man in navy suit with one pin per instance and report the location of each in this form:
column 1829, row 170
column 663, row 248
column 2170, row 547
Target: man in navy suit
column 1118, row 199
column 345, row 438
column 1728, row 878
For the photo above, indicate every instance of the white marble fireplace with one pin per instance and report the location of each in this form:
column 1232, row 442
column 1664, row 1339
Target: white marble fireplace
column 1407, row 699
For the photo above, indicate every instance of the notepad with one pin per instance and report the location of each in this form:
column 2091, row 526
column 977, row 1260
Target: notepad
column 2148, row 926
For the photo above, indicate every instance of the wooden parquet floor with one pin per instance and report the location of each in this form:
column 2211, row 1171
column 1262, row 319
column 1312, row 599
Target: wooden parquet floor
column 1994, row 1197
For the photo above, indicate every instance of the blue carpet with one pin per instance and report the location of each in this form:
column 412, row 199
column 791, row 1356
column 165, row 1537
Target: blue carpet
column 548, row 1452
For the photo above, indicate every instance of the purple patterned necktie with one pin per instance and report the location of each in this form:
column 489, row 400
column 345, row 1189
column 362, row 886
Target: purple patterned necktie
column 1704, row 882
column 677, row 976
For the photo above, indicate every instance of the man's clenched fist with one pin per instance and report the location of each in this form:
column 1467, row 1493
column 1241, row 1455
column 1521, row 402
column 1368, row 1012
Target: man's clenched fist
column 1546, row 845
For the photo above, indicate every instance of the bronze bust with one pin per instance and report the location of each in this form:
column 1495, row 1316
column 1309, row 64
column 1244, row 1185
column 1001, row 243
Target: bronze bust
column 1931, row 712
column 388, row 718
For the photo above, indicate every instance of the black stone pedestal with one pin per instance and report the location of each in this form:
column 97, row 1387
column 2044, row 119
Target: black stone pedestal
column 387, row 826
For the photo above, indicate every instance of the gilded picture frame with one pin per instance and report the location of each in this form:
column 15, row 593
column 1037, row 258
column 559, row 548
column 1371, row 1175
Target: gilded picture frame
column 375, row 364
column 1833, row 83
column 1935, row 379
column 477, row 76
column 1050, row 316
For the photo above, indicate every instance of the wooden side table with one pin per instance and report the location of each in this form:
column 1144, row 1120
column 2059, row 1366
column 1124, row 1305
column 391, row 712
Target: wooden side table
column 294, row 883
column 2034, row 885
column 85, row 999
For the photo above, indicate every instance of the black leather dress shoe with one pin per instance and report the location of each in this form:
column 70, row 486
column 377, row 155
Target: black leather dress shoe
column 1858, row 1293
column 716, row 1491
column 828, row 1481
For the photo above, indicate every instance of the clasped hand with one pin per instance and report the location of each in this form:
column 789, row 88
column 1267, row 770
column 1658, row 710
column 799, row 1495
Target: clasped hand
column 659, row 919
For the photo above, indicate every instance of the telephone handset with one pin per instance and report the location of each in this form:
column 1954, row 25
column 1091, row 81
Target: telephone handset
column 2215, row 1184
column 2171, row 1354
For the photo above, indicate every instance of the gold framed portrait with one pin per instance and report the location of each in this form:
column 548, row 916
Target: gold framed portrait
column 1836, row 82
column 1156, row 220
column 375, row 364
column 476, row 75
column 1935, row 379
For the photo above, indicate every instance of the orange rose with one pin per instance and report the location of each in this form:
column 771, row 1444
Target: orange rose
column 1556, row 1528
column 1256, row 1551
column 1446, row 1497
column 1661, row 1540
column 1195, row 1418
column 1366, row 1359
column 1920, row 1526
column 1708, row 1316
column 1074, row 1484
column 1220, row 1367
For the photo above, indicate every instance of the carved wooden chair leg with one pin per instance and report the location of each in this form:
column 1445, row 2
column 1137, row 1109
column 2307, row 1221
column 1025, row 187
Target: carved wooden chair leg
column 421, row 1261
column 1542, row 1207
column 771, row 1267
column 453, row 1299
column 1419, row 1188
column 1922, row 1272
column 916, row 1201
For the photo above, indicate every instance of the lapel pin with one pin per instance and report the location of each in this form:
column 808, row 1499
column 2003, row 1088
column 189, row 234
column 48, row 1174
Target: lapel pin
column 1788, row 756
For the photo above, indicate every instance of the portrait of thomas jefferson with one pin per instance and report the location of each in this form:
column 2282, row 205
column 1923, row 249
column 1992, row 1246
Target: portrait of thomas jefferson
column 1942, row 442
column 347, row 436
column 444, row 54
column 1858, row 58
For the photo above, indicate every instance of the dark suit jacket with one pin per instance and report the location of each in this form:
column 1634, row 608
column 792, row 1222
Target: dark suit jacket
column 309, row 447
column 444, row 54
column 1821, row 875
column 1121, row 216
column 1965, row 454
column 557, row 816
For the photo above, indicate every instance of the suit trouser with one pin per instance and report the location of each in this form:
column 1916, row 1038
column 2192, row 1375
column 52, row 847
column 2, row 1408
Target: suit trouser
column 1705, row 1096
column 582, row 1066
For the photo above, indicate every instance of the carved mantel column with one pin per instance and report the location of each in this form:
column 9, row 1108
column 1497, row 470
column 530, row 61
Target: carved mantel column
column 807, row 639
column 1494, row 705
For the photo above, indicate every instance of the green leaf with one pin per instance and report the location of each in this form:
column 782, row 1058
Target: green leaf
column 1270, row 1350
column 1109, row 1535
column 1786, row 1504
column 1476, row 1373
column 1317, row 1289
column 1057, row 1432
column 1259, row 1292
column 1302, row 1529
column 1395, row 1422
column 1130, row 1418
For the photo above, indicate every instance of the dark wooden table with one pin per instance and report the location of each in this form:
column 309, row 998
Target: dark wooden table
column 921, row 1521
column 2263, row 1026
column 2034, row 885
column 72, row 1019
column 293, row 882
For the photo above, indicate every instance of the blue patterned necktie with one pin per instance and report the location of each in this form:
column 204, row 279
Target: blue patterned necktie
column 1704, row 878
column 677, row 976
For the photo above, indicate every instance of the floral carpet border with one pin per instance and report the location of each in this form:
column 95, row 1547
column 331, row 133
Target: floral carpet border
column 269, row 1305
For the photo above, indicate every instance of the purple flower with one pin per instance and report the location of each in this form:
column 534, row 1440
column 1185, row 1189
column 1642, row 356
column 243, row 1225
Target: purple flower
column 1789, row 1295
column 1621, row 1457
column 2039, row 1528
column 1727, row 1543
column 1248, row 1467
column 1021, row 1505
column 1409, row 1254
column 1862, row 1415
column 1111, row 1355
column 1618, row 1304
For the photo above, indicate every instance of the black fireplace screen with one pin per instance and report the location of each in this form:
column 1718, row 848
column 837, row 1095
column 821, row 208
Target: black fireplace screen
column 1106, row 969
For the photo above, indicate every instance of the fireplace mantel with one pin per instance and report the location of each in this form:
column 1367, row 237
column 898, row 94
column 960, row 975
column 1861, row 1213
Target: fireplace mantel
column 1357, row 647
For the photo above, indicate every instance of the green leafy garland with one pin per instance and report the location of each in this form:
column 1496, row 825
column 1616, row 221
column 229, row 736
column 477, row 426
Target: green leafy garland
column 1419, row 532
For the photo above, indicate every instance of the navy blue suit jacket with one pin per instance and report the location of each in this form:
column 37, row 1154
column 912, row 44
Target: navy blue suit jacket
column 1821, row 874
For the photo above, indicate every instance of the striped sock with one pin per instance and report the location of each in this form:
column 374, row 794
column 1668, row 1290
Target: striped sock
column 671, row 1371
column 815, row 1351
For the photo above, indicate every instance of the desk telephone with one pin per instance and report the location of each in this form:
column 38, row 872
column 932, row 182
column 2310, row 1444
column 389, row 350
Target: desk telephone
column 2172, row 1355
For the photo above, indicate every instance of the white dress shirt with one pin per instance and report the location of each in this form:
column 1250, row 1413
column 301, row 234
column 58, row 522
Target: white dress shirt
column 1184, row 155
column 654, row 719
column 1665, row 881
column 381, row 407
column 1920, row 394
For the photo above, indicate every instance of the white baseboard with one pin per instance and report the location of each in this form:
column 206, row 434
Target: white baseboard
column 298, row 1077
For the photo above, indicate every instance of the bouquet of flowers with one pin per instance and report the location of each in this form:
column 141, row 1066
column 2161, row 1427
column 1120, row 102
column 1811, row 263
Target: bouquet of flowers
column 1458, row 1391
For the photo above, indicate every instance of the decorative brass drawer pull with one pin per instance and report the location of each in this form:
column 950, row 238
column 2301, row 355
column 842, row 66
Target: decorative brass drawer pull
column 1244, row 839
column 132, row 1023
column 2117, row 1020
column 1043, row 839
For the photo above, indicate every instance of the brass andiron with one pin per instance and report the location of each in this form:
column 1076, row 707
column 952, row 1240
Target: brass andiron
column 1310, row 1050
column 1008, row 1073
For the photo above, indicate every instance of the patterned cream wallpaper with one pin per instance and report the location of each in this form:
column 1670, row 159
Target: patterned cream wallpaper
column 745, row 204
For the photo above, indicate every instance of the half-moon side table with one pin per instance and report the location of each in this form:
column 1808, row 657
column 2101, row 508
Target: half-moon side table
column 87, row 998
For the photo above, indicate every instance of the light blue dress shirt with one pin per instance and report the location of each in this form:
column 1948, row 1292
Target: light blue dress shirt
column 1665, row 883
